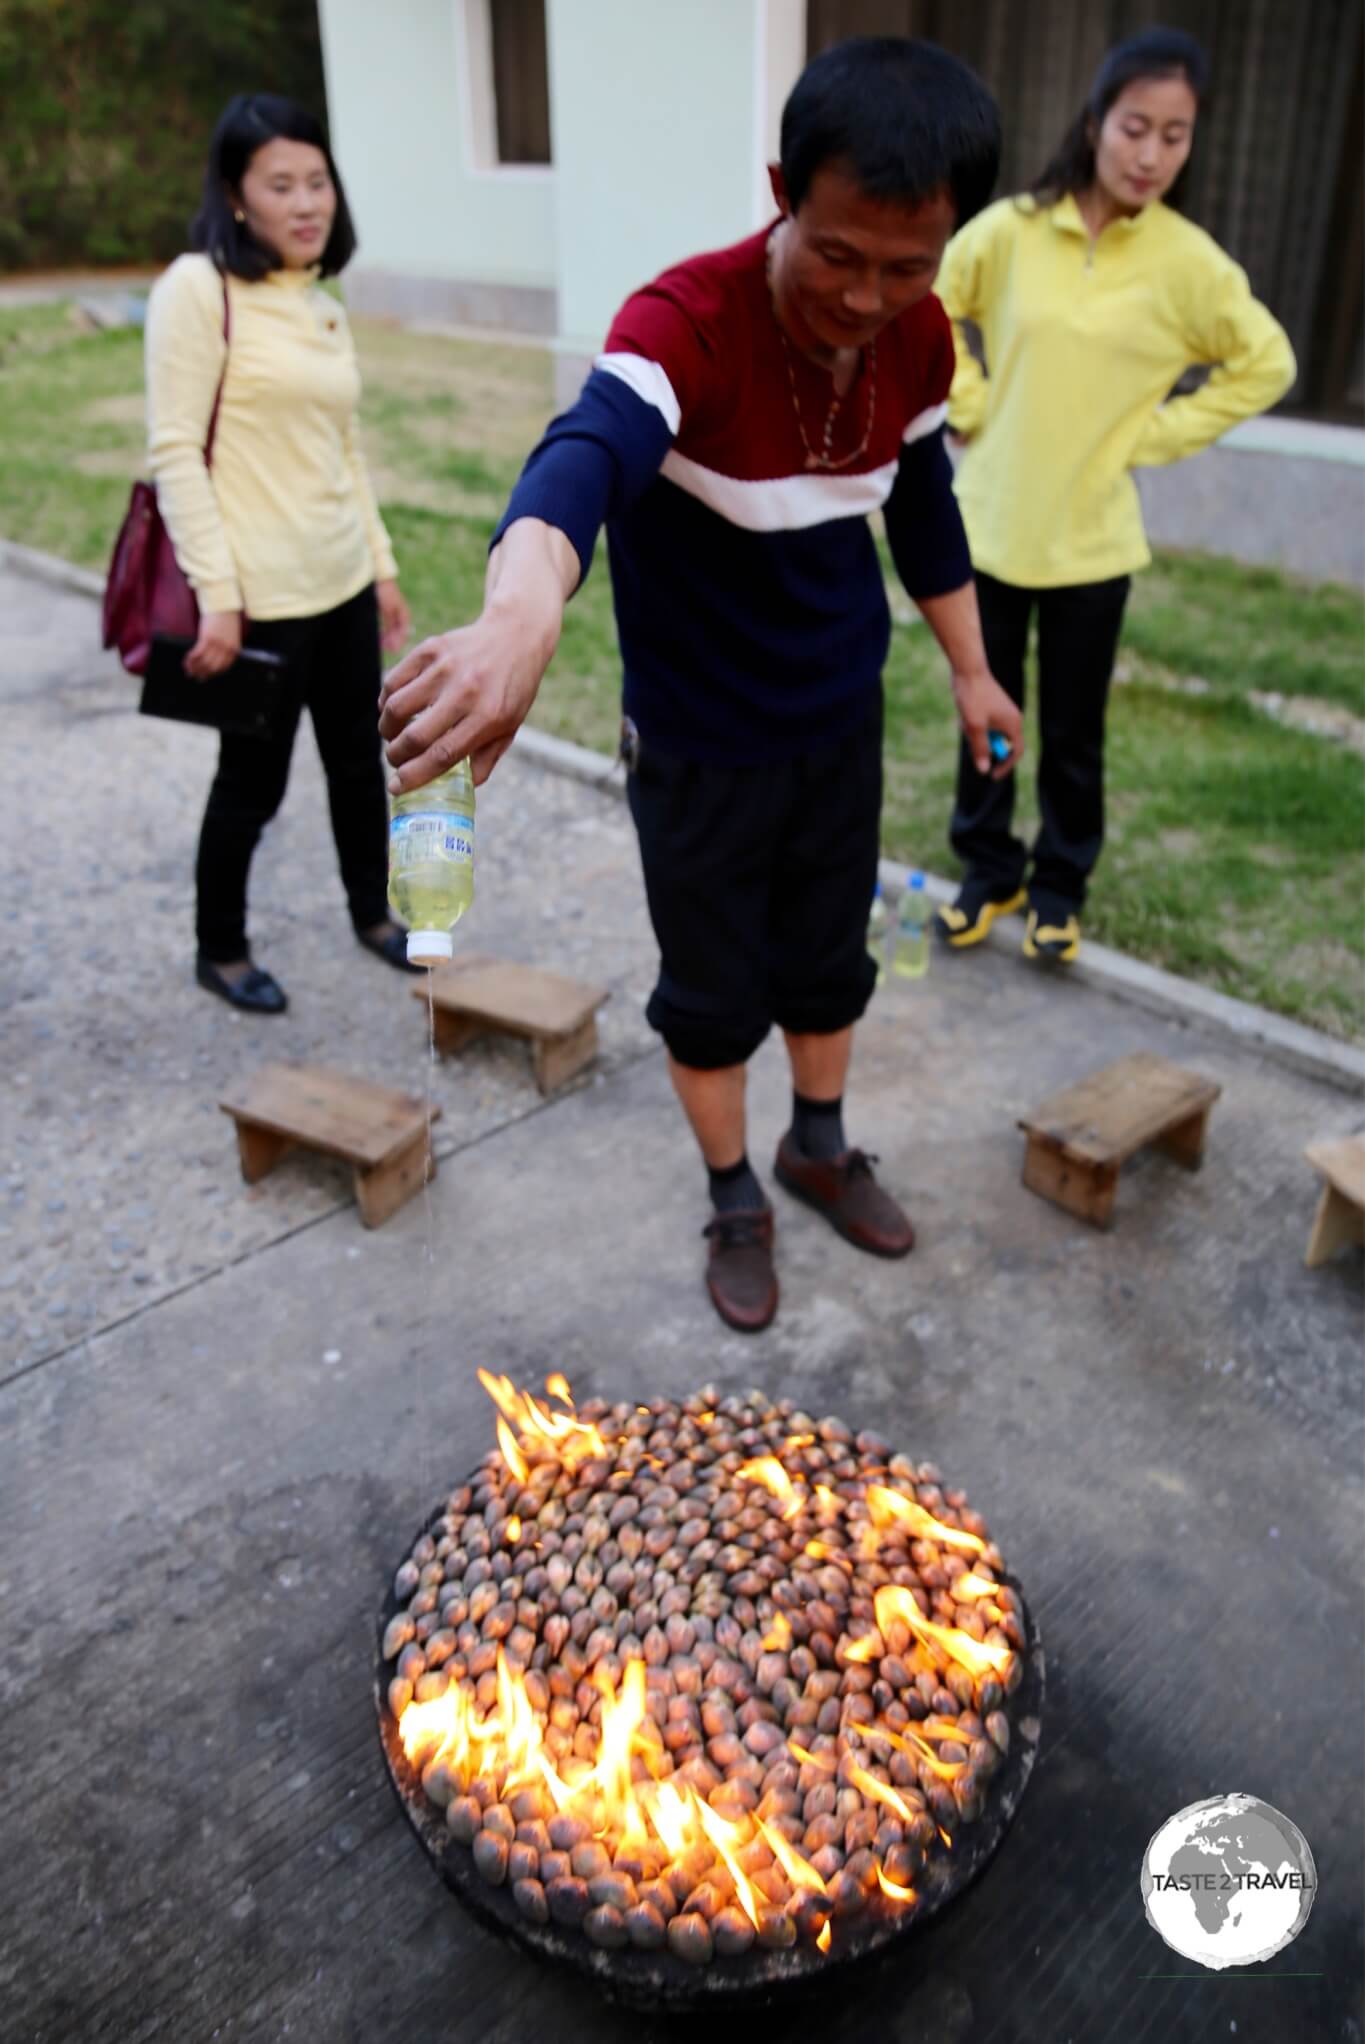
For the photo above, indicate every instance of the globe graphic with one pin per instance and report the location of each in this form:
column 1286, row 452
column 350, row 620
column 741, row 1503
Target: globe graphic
column 1228, row 1881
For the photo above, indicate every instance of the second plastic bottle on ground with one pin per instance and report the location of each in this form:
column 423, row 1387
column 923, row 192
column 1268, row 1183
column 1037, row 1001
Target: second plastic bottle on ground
column 911, row 955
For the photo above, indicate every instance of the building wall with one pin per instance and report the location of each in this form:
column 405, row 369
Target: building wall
column 1284, row 493
column 439, row 235
column 663, row 117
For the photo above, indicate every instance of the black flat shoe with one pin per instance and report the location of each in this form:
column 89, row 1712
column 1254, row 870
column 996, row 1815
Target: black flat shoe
column 258, row 993
column 392, row 948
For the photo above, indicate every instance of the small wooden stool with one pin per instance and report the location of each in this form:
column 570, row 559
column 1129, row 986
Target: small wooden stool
column 381, row 1134
column 472, row 996
column 1341, row 1210
column 1078, row 1139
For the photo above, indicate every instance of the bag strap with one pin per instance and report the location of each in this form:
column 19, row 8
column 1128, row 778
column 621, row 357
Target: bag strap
column 218, row 394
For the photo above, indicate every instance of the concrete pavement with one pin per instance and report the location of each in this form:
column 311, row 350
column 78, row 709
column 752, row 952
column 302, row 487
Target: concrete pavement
column 213, row 1455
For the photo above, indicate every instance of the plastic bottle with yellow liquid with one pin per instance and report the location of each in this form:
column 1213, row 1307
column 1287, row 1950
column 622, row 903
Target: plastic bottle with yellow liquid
column 910, row 957
column 431, row 861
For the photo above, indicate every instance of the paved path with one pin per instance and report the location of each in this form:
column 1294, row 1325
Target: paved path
column 223, row 1413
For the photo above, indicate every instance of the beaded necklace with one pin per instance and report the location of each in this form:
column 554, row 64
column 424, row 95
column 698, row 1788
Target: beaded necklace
column 821, row 458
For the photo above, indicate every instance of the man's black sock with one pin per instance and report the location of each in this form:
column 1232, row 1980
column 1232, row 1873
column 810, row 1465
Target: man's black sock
column 735, row 1187
column 818, row 1126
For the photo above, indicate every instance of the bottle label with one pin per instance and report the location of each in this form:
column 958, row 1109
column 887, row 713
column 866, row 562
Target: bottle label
column 425, row 835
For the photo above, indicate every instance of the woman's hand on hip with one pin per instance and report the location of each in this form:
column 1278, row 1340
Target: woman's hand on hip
column 218, row 644
column 395, row 619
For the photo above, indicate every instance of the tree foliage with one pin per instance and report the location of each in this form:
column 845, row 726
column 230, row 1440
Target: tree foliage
column 108, row 109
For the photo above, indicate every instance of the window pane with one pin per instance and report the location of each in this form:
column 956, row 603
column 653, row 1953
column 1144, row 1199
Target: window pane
column 521, row 80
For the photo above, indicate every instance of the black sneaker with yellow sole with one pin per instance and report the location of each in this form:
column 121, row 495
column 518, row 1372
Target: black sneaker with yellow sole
column 1056, row 940
column 969, row 918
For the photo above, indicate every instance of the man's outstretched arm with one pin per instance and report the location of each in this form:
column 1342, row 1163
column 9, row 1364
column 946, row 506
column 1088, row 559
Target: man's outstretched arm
column 466, row 692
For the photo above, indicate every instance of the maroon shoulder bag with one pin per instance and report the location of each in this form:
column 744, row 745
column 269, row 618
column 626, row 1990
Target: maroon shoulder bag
column 145, row 591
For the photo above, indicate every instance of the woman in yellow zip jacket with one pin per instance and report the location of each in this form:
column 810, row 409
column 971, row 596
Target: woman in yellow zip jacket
column 279, row 534
column 1092, row 296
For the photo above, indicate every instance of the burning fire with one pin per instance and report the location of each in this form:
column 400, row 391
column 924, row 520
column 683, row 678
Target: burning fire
column 562, row 1434
column 768, row 1471
column 508, row 1742
column 888, row 1507
column 977, row 1656
column 972, row 1586
column 489, row 1731
column 893, row 1889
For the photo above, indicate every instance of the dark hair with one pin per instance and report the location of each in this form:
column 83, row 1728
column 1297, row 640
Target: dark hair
column 1155, row 53
column 246, row 124
column 907, row 119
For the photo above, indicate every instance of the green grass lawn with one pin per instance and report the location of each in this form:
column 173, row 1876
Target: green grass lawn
column 1235, row 853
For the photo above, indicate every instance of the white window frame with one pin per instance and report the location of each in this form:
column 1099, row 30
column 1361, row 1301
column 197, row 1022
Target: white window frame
column 478, row 106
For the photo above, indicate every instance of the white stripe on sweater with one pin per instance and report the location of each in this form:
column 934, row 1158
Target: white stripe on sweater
column 648, row 381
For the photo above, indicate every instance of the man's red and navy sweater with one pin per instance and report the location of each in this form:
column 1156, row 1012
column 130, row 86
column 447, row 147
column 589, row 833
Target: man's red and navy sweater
column 749, row 597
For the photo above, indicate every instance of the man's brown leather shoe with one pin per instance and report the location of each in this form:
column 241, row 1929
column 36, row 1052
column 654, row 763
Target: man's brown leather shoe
column 739, row 1273
column 845, row 1191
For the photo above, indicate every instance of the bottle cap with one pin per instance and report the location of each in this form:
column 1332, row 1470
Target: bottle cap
column 427, row 947
column 917, row 880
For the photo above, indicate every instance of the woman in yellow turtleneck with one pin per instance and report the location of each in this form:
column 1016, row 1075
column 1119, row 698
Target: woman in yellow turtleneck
column 1092, row 298
column 279, row 537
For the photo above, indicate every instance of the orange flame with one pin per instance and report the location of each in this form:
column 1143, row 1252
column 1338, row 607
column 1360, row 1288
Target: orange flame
column 878, row 1791
column 799, row 1871
column 767, row 1470
column 779, row 1637
column 513, row 1530
column 977, row 1656
column 866, row 1649
column 824, row 1936
column 572, row 1440
column 725, row 1836
column 511, row 1453
column 823, row 1760
column 448, row 1728
column 888, row 1506
column 972, row 1586
column 826, row 1499
column 893, row 1889
column 938, row 1728
column 909, row 1741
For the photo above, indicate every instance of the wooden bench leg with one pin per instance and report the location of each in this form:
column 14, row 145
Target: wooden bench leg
column 380, row 1191
column 260, row 1150
column 1337, row 1222
column 1185, row 1142
column 557, row 1058
column 1086, row 1190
